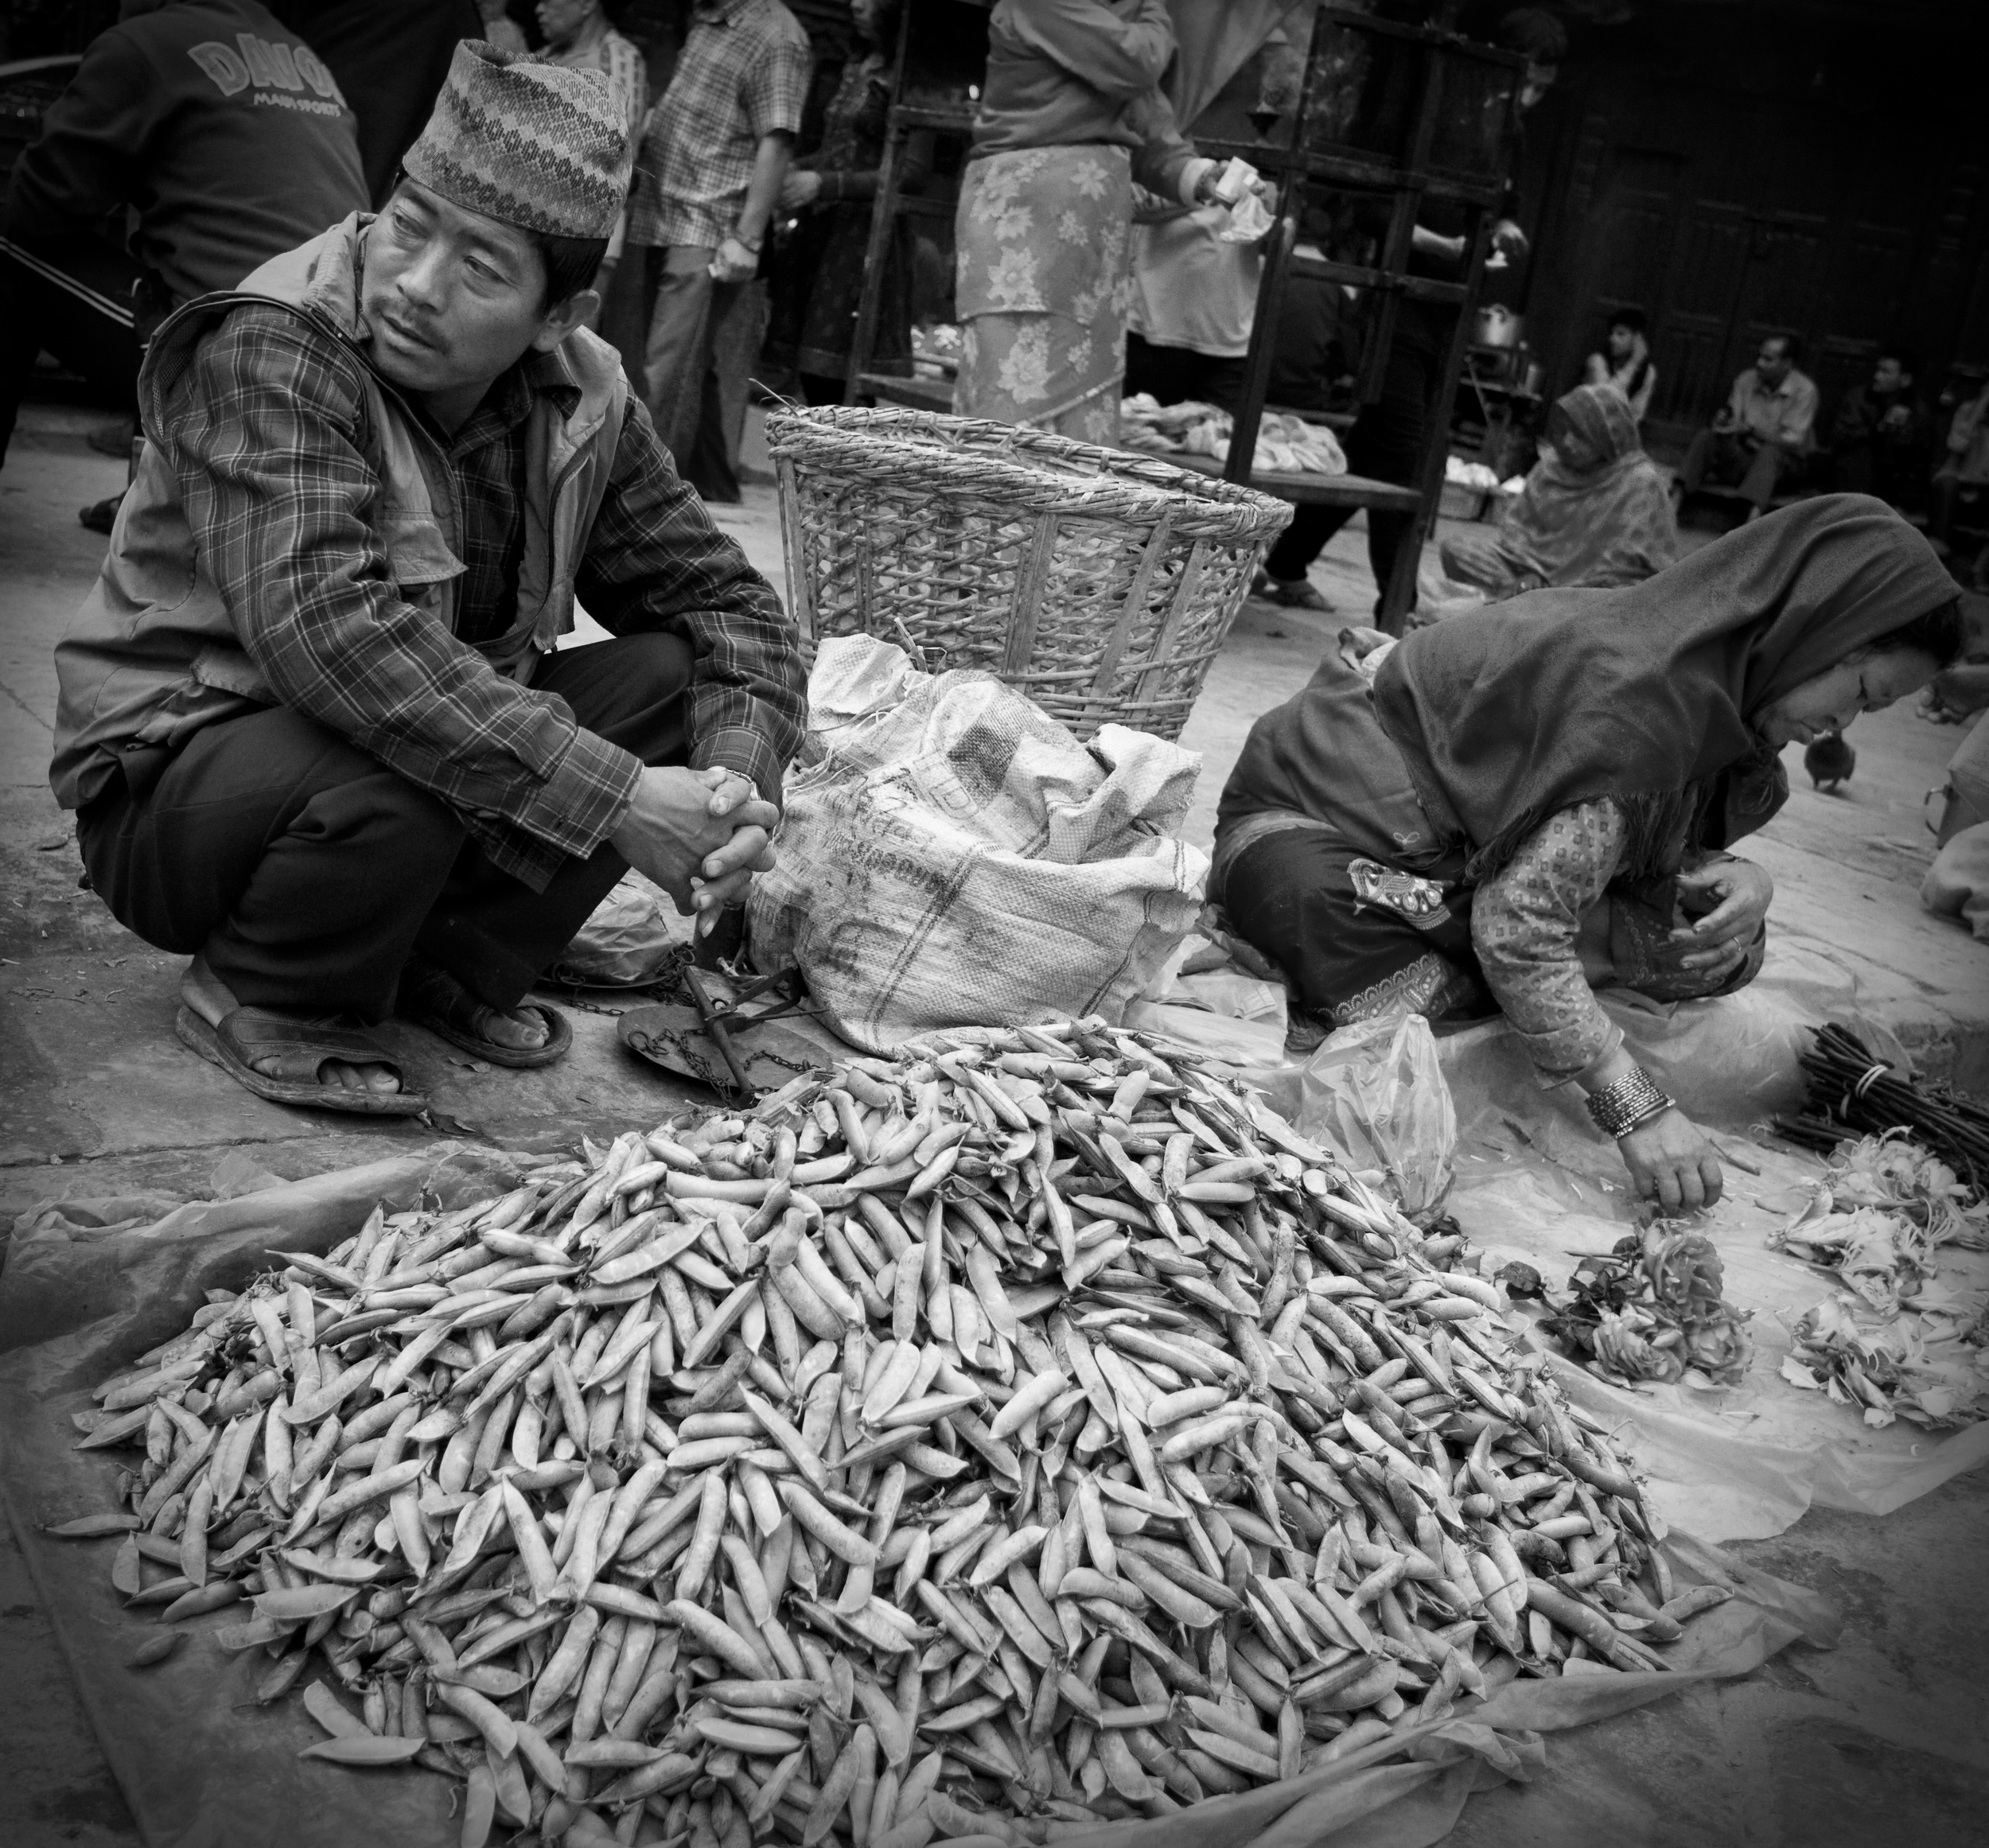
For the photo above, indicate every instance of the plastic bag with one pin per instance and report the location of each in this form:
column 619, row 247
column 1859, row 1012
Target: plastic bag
column 1957, row 883
column 1248, row 219
column 1966, row 790
column 634, row 933
column 952, row 856
column 1376, row 1090
column 1250, row 1045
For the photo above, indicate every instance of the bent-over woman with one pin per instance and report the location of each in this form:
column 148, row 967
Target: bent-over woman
column 1071, row 115
column 1517, row 806
column 1595, row 510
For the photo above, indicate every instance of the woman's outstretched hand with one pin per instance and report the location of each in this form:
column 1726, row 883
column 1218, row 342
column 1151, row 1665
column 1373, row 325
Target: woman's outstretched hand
column 1955, row 693
column 1672, row 1162
column 1717, row 941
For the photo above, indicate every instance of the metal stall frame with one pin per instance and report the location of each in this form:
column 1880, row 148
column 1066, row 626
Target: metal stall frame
column 1299, row 171
column 906, row 118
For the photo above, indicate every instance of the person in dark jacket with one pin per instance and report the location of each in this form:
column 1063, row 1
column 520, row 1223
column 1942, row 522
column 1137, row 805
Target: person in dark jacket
column 1879, row 443
column 389, row 57
column 221, row 133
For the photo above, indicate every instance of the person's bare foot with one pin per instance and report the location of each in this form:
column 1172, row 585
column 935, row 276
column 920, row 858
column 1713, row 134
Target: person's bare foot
column 425, row 988
column 212, row 998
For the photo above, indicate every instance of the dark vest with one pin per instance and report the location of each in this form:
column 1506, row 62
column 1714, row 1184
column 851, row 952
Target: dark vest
column 154, row 652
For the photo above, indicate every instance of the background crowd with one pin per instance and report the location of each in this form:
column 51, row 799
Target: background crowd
column 1093, row 251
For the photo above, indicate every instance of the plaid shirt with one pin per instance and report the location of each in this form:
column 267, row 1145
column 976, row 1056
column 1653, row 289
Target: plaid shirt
column 271, row 443
column 743, row 74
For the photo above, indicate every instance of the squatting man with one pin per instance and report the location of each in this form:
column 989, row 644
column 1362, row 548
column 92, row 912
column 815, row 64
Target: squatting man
column 312, row 723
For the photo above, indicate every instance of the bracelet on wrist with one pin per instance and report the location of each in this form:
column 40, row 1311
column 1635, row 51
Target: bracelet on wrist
column 1631, row 1102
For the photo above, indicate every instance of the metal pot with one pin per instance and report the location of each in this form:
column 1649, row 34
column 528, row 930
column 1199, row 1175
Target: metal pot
column 1496, row 325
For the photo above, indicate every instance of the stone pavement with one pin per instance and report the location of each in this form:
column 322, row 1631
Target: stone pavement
column 1881, row 1742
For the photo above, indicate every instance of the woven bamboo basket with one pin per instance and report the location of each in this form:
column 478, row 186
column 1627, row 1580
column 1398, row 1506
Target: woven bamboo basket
column 1099, row 582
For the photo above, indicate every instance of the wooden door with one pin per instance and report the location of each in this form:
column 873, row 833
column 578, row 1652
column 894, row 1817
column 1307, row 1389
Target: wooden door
column 1727, row 216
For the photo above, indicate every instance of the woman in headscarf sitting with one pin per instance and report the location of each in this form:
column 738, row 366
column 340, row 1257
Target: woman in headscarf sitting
column 1595, row 511
column 1513, row 808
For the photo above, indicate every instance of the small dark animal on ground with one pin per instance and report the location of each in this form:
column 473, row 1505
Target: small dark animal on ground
column 1829, row 761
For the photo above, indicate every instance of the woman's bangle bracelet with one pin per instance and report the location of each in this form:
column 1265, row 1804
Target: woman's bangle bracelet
column 1656, row 1110
column 1631, row 1101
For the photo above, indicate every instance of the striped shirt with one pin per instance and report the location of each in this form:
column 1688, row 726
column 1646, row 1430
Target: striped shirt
column 270, row 440
column 743, row 74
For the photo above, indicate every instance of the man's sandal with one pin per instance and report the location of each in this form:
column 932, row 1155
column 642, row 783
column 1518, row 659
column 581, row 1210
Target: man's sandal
column 302, row 1047
column 428, row 995
column 1302, row 593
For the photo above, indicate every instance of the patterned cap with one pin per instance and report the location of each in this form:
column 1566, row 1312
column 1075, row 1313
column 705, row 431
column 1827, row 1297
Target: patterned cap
column 537, row 146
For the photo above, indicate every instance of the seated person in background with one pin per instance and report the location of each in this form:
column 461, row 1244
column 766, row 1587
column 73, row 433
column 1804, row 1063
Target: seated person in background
column 1506, row 810
column 1624, row 361
column 1962, row 481
column 1595, row 511
column 1763, row 433
column 1878, row 443
column 311, row 719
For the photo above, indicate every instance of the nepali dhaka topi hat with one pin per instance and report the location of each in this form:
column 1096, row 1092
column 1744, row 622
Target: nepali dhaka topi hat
column 537, row 146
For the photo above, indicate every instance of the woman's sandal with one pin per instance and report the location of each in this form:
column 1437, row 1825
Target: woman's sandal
column 426, row 1002
column 302, row 1046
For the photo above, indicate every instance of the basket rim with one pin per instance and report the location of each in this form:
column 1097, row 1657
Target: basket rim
column 1010, row 461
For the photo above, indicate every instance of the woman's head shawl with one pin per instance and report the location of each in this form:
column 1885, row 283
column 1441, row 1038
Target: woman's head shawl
column 1601, row 415
column 1646, row 694
column 1609, row 523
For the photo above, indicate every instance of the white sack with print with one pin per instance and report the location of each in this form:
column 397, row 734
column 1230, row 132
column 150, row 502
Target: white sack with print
column 952, row 856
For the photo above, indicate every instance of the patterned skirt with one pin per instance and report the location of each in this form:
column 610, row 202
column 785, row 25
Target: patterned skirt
column 1042, row 238
column 1360, row 938
column 1357, row 938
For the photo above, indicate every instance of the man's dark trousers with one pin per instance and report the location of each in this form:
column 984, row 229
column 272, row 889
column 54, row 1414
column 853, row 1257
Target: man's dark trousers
column 307, row 871
column 1731, row 458
column 1385, row 445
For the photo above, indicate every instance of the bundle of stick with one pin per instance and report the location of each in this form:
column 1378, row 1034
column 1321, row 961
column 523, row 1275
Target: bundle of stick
column 1024, row 1431
column 1852, row 1093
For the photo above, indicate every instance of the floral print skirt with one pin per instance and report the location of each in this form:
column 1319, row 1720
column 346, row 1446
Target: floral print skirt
column 1042, row 238
column 1358, row 939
